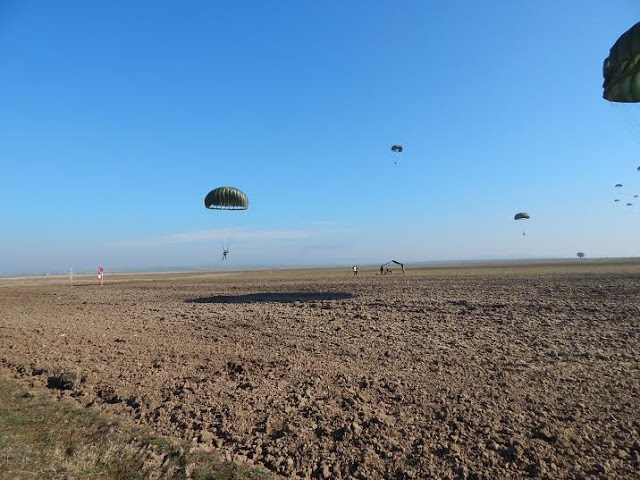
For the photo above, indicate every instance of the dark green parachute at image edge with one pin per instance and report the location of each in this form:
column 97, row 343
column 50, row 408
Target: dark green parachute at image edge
column 226, row 198
column 521, row 216
column 621, row 69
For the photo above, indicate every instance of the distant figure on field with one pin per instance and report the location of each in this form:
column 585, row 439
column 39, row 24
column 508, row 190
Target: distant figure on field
column 355, row 270
column 381, row 270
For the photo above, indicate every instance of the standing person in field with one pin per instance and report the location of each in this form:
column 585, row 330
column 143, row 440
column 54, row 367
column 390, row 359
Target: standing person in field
column 355, row 270
column 381, row 270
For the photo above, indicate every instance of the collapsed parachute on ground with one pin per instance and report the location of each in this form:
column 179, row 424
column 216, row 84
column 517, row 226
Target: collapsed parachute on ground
column 580, row 254
column 621, row 69
column 226, row 198
column 392, row 261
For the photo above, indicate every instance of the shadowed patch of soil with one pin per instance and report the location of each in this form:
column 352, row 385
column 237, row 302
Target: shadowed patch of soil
column 274, row 297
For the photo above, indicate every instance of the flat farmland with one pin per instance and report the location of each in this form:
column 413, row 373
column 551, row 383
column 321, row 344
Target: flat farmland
column 482, row 371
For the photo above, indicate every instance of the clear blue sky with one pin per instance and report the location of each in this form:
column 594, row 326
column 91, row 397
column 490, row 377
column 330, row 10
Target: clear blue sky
column 117, row 117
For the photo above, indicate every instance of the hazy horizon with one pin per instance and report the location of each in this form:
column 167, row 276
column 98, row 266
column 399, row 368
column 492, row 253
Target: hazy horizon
column 90, row 270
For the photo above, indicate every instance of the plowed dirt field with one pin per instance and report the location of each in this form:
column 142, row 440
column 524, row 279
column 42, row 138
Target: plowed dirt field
column 504, row 372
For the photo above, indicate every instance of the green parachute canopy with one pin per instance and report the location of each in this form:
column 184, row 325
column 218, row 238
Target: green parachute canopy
column 618, row 185
column 621, row 69
column 226, row 198
column 521, row 216
column 397, row 148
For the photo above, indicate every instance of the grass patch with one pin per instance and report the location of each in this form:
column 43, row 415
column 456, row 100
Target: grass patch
column 41, row 437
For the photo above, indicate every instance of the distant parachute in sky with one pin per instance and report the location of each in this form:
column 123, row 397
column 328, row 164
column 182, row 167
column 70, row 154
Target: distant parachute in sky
column 621, row 69
column 617, row 200
column 396, row 149
column 618, row 185
column 522, row 216
column 226, row 198
column 629, row 204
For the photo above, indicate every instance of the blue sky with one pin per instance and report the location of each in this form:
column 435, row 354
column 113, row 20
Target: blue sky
column 116, row 119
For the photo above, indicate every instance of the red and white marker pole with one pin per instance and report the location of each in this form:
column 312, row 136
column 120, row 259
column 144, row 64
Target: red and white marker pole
column 100, row 276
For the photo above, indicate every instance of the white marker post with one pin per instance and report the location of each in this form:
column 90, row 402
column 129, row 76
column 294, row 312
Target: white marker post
column 71, row 276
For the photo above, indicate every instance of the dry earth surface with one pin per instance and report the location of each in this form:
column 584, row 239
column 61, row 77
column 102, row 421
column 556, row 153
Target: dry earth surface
column 484, row 372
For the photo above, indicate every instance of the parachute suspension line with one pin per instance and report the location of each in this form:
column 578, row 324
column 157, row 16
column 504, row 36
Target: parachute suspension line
column 631, row 124
column 225, row 245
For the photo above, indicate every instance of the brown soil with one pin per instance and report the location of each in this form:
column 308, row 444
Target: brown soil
column 485, row 373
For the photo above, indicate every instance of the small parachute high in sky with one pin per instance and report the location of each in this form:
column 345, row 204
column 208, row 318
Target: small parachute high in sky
column 629, row 204
column 617, row 200
column 522, row 216
column 396, row 149
column 226, row 198
column 621, row 69
column 618, row 185
column 635, row 196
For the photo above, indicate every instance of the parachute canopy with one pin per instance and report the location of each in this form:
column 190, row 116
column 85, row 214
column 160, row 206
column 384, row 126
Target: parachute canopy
column 617, row 200
column 621, row 69
column 397, row 148
column 635, row 196
column 618, row 185
column 580, row 254
column 396, row 262
column 629, row 204
column 521, row 216
column 226, row 198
